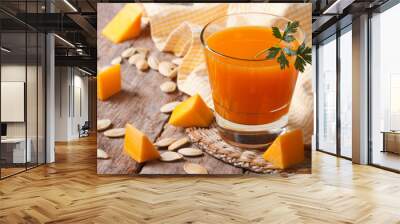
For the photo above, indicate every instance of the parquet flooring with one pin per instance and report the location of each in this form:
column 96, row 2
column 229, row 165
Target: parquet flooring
column 70, row 191
column 11, row 170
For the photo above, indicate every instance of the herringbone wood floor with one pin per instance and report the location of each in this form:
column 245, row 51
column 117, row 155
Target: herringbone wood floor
column 69, row 191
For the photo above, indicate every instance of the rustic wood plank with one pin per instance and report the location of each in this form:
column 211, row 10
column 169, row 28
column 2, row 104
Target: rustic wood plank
column 214, row 166
column 139, row 101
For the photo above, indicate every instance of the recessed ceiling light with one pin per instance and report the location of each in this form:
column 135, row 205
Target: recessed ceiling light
column 64, row 40
column 84, row 71
column 338, row 6
column 70, row 5
column 5, row 50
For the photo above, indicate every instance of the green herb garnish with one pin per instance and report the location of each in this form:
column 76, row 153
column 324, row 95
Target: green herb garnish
column 302, row 53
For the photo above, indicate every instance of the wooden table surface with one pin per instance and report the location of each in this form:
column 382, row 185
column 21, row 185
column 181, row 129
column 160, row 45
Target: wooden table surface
column 139, row 103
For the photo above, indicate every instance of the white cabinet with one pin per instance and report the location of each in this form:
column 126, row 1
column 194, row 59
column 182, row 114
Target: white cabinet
column 17, row 146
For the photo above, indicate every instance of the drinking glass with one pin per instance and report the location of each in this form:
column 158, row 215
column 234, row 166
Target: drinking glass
column 251, row 94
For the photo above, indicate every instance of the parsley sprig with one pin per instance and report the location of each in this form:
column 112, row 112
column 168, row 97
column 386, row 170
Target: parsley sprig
column 302, row 53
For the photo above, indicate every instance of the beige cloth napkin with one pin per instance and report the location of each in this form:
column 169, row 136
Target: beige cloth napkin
column 176, row 28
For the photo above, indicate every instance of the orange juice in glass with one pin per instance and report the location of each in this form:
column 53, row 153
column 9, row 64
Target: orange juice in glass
column 251, row 94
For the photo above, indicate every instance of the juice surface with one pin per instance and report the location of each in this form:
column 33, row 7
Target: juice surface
column 245, row 90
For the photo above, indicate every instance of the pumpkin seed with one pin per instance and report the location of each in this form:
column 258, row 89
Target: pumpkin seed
column 165, row 142
column 135, row 58
column 178, row 143
column 116, row 60
column 168, row 87
column 193, row 168
column 103, row 124
column 101, row 154
column 115, row 132
column 170, row 156
column 128, row 52
column 153, row 62
column 169, row 107
column 190, row 152
column 166, row 68
column 142, row 65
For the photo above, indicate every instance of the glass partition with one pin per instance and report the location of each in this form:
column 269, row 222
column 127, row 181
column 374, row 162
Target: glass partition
column 14, row 153
column 327, row 96
column 22, row 77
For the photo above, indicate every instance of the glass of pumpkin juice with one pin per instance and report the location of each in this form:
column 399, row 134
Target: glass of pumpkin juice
column 251, row 94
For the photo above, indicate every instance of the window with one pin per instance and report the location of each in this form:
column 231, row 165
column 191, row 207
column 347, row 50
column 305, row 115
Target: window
column 334, row 106
column 385, row 90
column 346, row 92
column 327, row 96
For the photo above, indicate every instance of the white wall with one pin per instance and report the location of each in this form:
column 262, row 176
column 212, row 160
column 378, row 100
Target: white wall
column 61, row 103
column 80, row 102
column 69, row 82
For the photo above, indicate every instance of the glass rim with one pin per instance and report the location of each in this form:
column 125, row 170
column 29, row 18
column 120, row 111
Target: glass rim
column 203, row 42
